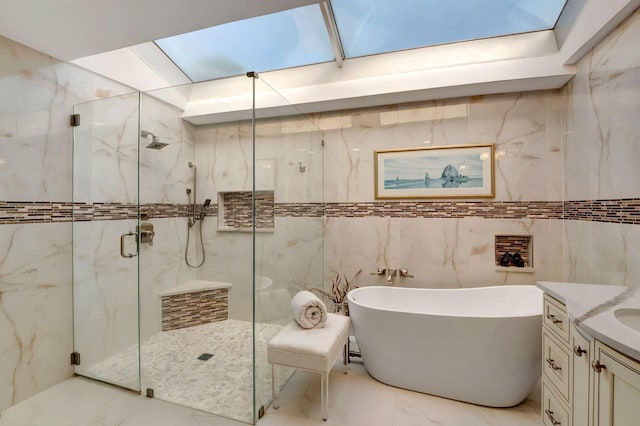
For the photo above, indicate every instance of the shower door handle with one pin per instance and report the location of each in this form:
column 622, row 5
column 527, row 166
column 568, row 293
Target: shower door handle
column 122, row 237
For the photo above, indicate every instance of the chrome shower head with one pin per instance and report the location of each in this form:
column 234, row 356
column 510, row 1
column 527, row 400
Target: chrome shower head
column 155, row 141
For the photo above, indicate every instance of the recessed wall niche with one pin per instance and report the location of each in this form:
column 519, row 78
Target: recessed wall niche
column 235, row 211
column 510, row 249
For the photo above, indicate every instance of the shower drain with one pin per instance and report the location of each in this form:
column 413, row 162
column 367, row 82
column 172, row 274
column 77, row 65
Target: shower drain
column 205, row 357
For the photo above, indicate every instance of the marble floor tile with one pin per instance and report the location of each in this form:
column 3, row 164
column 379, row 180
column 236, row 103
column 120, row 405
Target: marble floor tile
column 355, row 399
column 221, row 385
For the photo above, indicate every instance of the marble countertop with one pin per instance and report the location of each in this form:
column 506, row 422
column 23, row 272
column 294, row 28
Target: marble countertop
column 591, row 308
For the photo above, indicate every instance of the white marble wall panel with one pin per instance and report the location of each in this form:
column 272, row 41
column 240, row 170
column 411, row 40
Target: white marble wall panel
column 294, row 148
column 289, row 159
column 441, row 253
column 162, row 267
column 604, row 103
column 349, row 148
column 38, row 93
column 36, row 333
column 106, row 151
column 35, row 309
column 292, row 257
column 602, row 148
column 525, row 130
column 523, row 127
column 224, row 159
column 165, row 174
column 105, row 291
column 602, row 253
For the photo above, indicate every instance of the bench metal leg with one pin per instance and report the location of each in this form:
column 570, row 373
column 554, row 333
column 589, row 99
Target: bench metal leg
column 324, row 390
column 275, row 388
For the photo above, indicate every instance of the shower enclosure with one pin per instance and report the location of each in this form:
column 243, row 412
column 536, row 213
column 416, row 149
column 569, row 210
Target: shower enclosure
column 256, row 228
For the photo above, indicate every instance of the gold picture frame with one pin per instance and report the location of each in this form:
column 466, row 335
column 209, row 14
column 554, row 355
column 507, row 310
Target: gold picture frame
column 453, row 171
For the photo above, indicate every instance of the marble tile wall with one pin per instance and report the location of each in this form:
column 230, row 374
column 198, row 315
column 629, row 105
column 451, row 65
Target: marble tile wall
column 602, row 149
column 106, row 308
column 446, row 243
column 289, row 162
column 38, row 94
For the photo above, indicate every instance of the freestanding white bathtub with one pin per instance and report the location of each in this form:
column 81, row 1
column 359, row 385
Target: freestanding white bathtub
column 478, row 345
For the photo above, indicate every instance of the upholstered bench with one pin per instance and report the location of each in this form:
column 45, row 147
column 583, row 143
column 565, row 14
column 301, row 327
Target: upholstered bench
column 313, row 349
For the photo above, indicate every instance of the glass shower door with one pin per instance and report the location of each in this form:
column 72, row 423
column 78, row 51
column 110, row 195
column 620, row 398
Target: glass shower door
column 105, row 262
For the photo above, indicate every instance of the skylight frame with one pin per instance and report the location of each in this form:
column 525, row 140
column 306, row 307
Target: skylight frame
column 333, row 35
column 347, row 39
column 310, row 44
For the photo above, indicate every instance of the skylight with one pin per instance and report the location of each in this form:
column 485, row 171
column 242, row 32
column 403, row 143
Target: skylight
column 370, row 27
column 285, row 39
column 299, row 36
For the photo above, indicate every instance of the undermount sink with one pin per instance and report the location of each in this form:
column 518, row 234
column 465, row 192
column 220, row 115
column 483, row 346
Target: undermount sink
column 629, row 317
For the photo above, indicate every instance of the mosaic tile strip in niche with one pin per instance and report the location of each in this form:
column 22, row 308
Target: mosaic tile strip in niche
column 194, row 308
column 610, row 211
column 237, row 209
column 521, row 244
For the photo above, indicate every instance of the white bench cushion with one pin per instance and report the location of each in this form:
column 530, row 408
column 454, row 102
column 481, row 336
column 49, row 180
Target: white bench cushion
column 313, row 349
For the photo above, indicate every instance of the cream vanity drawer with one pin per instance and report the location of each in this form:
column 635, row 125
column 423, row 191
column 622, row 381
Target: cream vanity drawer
column 555, row 362
column 555, row 318
column 554, row 412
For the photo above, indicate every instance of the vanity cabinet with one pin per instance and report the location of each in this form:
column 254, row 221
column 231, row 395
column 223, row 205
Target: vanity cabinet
column 584, row 382
column 557, row 392
column 617, row 388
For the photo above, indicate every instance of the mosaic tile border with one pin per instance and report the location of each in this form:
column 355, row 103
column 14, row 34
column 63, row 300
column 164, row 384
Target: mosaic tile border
column 449, row 209
column 624, row 210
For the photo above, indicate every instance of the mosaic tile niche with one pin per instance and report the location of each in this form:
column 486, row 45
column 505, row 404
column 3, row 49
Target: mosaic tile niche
column 521, row 244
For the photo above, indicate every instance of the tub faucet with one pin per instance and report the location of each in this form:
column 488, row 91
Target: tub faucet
column 391, row 273
column 379, row 271
column 404, row 273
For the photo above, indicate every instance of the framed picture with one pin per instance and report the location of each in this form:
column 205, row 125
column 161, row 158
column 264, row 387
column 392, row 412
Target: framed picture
column 460, row 171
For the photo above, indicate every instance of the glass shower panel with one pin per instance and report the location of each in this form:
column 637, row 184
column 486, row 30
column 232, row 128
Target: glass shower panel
column 105, row 216
column 289, row 218
column 196, row 292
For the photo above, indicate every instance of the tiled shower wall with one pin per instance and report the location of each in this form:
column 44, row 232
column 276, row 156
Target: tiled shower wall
column 602, row 154
column 38, row 94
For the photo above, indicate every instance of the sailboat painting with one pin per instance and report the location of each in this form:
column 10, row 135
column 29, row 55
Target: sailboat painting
column 457, row 171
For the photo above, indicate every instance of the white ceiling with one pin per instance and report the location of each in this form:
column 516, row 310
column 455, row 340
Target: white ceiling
column 112, row 38
column 71, row 29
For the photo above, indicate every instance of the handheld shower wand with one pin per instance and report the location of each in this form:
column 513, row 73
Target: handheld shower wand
column 195, row 217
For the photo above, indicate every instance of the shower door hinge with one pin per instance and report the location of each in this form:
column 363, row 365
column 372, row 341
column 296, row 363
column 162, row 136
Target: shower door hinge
column 75, row 358
column 74, row 120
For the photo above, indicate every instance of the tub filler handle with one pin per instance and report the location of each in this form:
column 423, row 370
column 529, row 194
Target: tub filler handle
column 379, row 271
column 404, row 273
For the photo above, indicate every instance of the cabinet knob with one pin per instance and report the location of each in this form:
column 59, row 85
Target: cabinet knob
column 578, row 350
column 597, row 367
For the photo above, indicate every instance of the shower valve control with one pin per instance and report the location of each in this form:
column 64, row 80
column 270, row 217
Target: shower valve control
column 145, row 232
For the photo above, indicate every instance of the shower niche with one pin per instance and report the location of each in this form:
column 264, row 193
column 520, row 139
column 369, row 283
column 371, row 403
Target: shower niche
column 235, row 211
column 514, row 253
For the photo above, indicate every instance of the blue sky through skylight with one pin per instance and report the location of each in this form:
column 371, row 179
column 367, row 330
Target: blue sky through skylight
column 299, row 36
column 369, row 27
column 280, row 40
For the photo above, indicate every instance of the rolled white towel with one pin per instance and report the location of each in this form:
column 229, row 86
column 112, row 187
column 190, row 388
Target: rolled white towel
column 308, row 310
